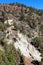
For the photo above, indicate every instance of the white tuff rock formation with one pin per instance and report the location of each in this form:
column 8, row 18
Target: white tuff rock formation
column 28, row 50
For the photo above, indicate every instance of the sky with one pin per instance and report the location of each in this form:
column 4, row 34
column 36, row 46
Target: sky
column 34, row 3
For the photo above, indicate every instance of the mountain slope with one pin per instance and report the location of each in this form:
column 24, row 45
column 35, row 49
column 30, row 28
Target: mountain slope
column 21, row 35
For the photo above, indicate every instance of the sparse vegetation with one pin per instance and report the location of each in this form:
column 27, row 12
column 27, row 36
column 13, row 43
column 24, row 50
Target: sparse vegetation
column 3, row 26
column 41, row 29
column 22, row 17
column 36, row 42
column 26, row 22
column 16, row 27
column 10, row 56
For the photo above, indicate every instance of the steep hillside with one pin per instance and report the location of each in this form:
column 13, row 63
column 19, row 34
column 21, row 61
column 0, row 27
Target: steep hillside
column 21, row 35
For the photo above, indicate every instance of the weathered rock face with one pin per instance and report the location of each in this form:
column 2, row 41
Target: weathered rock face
column 28, row 50
column 8, row 8
column 23, row 42
column 22, row 32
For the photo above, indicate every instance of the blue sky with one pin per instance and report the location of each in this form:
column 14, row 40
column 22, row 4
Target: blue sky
column 34, row 3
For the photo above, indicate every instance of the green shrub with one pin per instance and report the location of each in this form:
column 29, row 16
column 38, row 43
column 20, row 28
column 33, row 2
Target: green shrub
column 22, row 17
column 3, row 26
column 21, row 57
column 7, row 57
column 36, row 42
column 41, row 29
column 15, row 26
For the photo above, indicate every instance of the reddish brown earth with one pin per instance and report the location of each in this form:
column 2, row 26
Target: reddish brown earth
column 28, row 61
column 8, row 8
